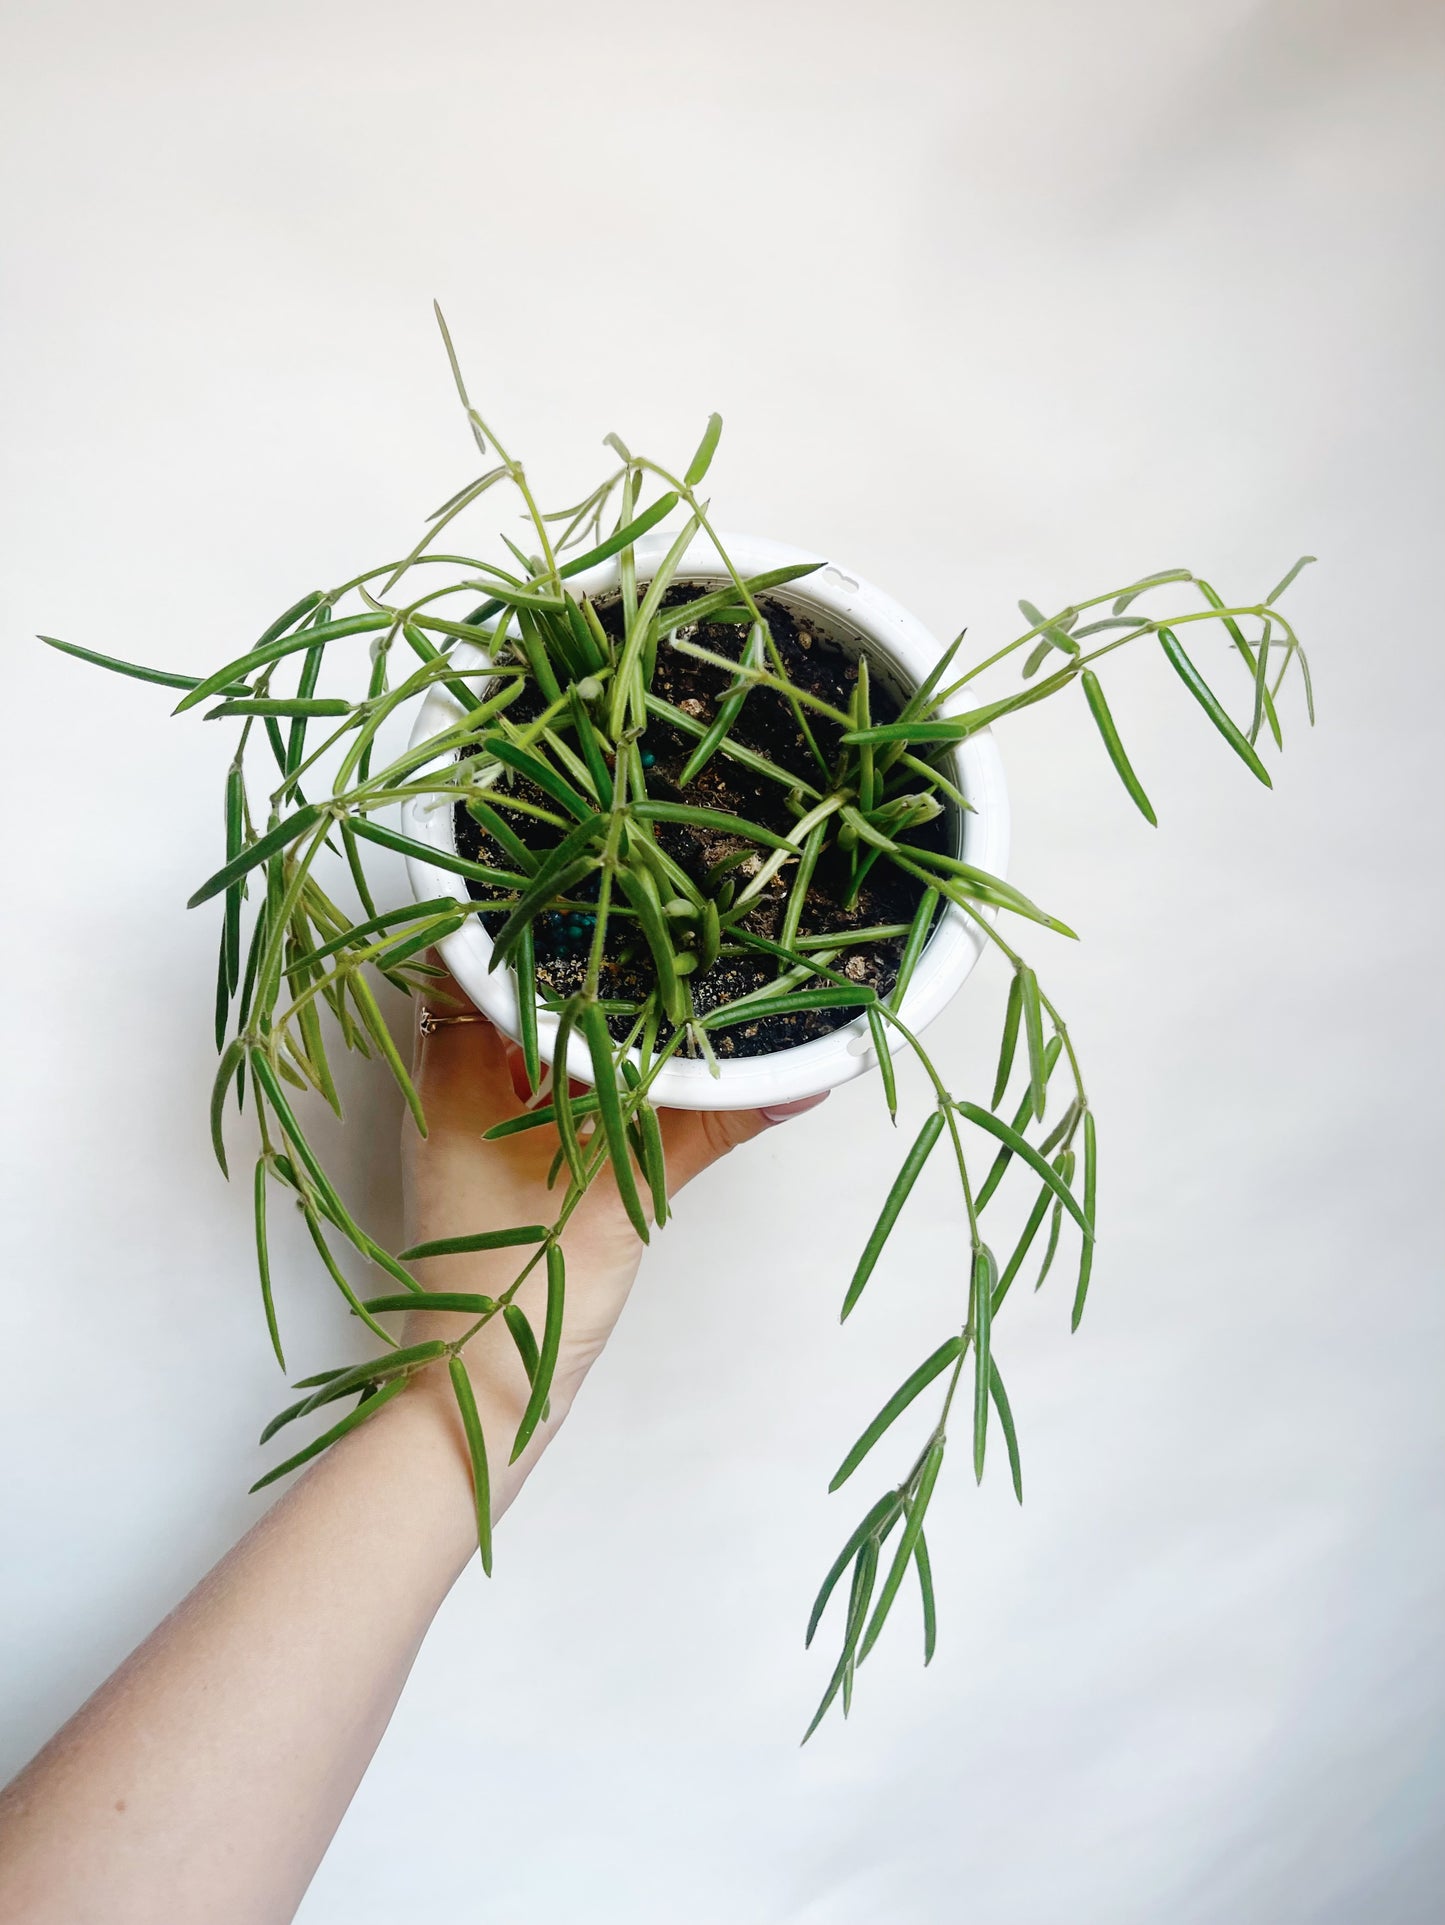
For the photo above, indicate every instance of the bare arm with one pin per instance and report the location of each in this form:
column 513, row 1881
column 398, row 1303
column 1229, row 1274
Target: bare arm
column 204, row 1780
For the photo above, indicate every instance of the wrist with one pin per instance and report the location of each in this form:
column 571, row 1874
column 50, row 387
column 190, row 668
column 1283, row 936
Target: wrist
column 428, row 1431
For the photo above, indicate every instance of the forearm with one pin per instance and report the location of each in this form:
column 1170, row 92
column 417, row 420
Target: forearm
column 204, row 1780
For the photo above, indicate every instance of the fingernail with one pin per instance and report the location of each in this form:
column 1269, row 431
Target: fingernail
column 780, row 1112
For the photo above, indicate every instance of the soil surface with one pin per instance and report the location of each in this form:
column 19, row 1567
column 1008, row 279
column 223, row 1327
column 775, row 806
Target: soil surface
column 766, row 724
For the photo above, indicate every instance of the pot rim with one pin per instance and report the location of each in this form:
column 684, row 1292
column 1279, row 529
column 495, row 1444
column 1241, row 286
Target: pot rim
column 899, row 647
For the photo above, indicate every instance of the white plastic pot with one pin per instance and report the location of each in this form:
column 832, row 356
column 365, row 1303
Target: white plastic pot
column 900, row 652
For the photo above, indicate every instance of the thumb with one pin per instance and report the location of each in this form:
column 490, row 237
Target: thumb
column 692, row 1139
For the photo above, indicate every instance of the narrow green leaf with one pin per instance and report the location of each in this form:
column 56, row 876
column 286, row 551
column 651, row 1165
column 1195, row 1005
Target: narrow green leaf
column 338, row 1275
column 884, row 1054
column 1037, row 656
column 314, row 1042
column 1006, row 1423
column 223, row 991
column 538, row 1119
column 364, row 1376
column 951, row 730
column 522, row 1335
column 709, row 937
column 291, row 616
column 355, row 864
column 621, row 538
column 473, row 711
column 439, row 858
column 925, row 1588
column 480, row 1240
column 609, row 1106
column 903, row 1554
column 979, row 884
column 219, row 1087
column 405, row 947
column 376, row 1026
column 895, row 1407
column 525, row 965
column 274, row 840
column 728, row 710
column 641, row 891
column 331, row 1389
column 745, row 758
column 919, row 931
column 703, row 607
column 1025, row 1110
column 702, row 460
column 293, row 705
column 1099, row 709
column 985, row 1276
column 562, row 1104
column 995, row 1126
column 654, row 1159
column 1034, row 1035
column 235, row 837
column 533, row 645
column 535, row 770
column 590, row 653
column 1247, row 654
column 1283, row 583
column 275, row 651
column 1086, row 1255
column 328, row 1438
column 520, row 1330
column 1050, row 632
column 248, row 980
column 1121, row 602
column 893, row 1204
column 1042, row 1203
column 586, row 734
column 857, row 996
column 276, row 1097
column 304, row 1383
column 717, row 820
column 1064, row 1164
column 865, row 1570
column 1261, row 683
column 463, row 1302
column 263, row 1260
column 1209, row 702
column 1009, row 1041
column 565, row 867
column 477, row 1450
column 551, row 1345
column 1063, row 1129
column 634, row 664
column 502, row 833
column 1304, row 669
column 132, row 669
column 879, row 1521
column 355, row 933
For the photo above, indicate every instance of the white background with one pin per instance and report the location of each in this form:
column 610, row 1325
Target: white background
column 997, row 300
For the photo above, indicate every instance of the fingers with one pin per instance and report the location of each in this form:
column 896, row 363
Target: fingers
column 460, row 1068
column 692, row 1139
column 476, row 1075
column 470, row 1076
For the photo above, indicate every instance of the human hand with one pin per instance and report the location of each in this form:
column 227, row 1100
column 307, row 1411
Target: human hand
column 469, row 1077
column 205, row 1779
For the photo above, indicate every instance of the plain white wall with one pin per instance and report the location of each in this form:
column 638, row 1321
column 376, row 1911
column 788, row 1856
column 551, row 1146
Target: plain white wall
column 997, row 301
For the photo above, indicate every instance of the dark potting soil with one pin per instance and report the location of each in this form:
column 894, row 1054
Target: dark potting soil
column 766, row 724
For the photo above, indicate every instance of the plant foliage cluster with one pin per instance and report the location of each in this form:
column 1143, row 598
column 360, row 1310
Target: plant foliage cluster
column 565, row 795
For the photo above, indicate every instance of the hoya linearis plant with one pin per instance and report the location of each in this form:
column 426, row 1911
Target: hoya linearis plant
column 547, row 751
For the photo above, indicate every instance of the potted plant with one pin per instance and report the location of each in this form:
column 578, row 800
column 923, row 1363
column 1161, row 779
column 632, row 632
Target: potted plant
column 700, row 822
